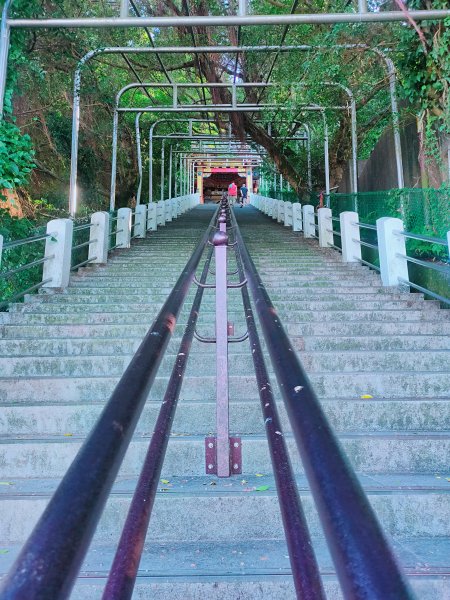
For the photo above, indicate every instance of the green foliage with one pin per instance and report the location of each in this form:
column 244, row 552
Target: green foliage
column 16, row 154
column 13, row 228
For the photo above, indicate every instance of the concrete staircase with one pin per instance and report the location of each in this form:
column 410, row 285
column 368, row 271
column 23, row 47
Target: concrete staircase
column 377, row 358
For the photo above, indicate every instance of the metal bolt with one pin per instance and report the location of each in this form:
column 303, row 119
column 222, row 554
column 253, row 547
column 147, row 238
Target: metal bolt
column 210, row 467
column 210, row 445
column 236, row 444
column 235, row 466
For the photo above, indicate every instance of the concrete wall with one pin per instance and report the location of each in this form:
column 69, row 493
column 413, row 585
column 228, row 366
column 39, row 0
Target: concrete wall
column 379, row 171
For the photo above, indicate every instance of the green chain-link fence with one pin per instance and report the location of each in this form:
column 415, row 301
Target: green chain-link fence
column 425, row 211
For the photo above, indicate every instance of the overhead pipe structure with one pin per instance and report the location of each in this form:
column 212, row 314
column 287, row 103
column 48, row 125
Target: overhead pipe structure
column 211, row 108
column 239, row 149
column 217, row 108
column 217, row 139
column 217, row 50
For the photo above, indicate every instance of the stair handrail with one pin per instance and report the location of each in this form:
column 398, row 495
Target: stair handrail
column 364, row 561
column 305, row 570
column 124, row 569
column 52, row 556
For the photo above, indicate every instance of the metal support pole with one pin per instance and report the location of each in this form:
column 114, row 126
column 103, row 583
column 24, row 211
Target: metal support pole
column 4, row 53
column 170, row 171
column 220, row 242
column 139, row 157
column 150, row 165
column 362, row 6
column 354, row 147
column 124, row 8
column 326, row 154
column 243, row 8
column 112, row 196
column 163, row 157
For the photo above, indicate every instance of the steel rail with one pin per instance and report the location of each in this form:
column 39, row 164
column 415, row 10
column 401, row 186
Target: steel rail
column 234, row 20
column 305, row 570
column 50, row 559
column 6, row 303
column 424, row 238
column 122, row 576
column 367, row 263
column 22, row 242
column 425, row 291
column 364, row 561
column 425, row 264
column 30, row 265
column 82, row 263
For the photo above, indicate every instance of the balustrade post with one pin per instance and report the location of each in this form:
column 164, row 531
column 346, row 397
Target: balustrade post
column 297, row 220
column 174, row 207
column 325, row 227
column 160, row 214
column 288, row 214
column 281, row 210
column 309, row 229
column 58, row 251
column 140, row 218
column 123, row 235
column 392, row 251
column 167, row 211
column 350, row 236
column 151, row 217
column 99, row 238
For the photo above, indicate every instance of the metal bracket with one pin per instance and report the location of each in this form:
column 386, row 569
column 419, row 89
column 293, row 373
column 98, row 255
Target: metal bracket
column 203, row 285
column 241, row 338
column 235, row 455
column 228, row 273
column 205, row 340
column 237, row 285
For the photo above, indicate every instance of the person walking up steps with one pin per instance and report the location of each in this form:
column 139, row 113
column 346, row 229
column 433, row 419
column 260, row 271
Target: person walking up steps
column 232, row 193
column 244, row 194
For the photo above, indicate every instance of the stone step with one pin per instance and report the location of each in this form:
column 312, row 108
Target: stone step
column 129, row 314
column 369, row 453
column 138, row 288
column 198, row 417
column 326, row 385
column 241, row 363
column 246, row 514
column 289, row 307
column 254, row 570
column 123, row 300
column 307, row 282
column 46, row 345
column 366, row 329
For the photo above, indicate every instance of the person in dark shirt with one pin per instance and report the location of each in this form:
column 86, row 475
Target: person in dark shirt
column 244, row 194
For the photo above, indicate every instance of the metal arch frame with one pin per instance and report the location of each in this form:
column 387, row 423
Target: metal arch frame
column 314, row 107
column 200, row 108
column 239, row 152
column 222, row 140
column 234, row 107
column 172, row 135
column 221, row 49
